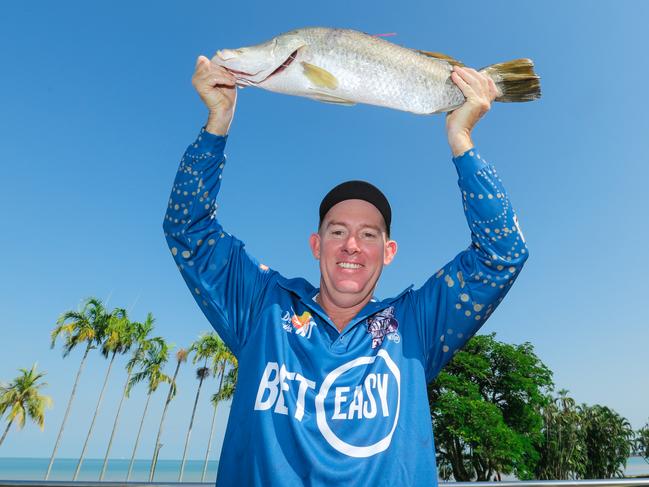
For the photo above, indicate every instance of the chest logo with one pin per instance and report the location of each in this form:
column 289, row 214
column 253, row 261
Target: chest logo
column 299, row 324
column 381, row 325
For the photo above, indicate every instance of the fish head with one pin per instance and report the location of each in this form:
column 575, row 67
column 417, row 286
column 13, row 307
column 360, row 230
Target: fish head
column 254, row 64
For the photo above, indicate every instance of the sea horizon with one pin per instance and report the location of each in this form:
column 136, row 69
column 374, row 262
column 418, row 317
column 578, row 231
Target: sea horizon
column 34, row 468
column 167, row 470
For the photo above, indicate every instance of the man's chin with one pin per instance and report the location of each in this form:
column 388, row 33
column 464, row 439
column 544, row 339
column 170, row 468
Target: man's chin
column 350, row 287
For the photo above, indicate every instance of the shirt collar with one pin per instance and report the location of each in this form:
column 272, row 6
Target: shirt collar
column 307, row 292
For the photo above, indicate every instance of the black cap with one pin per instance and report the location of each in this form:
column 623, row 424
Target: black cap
column 357, row 190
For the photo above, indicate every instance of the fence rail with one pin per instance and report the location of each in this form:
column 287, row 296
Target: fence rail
column 639, row 482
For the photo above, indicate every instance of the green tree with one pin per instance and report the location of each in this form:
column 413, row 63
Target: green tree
column 77, row 327
column 642, row 442
column 181, row 357
column 117, row 339
column 138, row 334
column 21, row 399
column 151, row 364
column 222, row 360
column 486, row 409
column 203, row 349
column 563, row 450
column 608, row 438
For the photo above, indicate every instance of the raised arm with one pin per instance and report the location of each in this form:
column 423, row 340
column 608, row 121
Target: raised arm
column 456, row 301
column 225, row 281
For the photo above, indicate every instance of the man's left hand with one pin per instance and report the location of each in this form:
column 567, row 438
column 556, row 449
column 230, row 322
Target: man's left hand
column 480, row 91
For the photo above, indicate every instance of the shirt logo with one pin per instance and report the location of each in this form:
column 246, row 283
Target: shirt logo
column 383, row 324
column 356, row 406
column 300, row 324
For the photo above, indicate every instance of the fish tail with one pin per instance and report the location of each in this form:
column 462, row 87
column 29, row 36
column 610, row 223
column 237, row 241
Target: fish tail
column 515, row 80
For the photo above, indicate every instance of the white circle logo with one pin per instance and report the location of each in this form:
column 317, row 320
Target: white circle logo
column 329, row 435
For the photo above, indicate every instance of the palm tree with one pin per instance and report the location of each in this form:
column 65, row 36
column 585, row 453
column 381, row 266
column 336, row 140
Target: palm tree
column 86, row 326
column 116, row 340
column 23, row 399
column 181, row 356
column 151, row 364
column 139, row 333
column 204, row 348
column 221, row 359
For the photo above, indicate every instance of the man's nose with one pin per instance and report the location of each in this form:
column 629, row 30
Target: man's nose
column 351, row 245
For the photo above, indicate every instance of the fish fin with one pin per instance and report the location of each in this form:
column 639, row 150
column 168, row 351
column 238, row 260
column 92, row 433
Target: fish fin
column 443, row 57
column 516, row 80
column 327, row 98
column 319, row 76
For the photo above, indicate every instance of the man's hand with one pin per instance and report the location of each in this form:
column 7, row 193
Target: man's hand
column 479, row 91
column 216, row 87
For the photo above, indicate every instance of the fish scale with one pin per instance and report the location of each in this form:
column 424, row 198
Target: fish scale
column 346, row 67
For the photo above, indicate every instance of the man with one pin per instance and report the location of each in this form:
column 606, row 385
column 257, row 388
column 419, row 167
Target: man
column 332, row 382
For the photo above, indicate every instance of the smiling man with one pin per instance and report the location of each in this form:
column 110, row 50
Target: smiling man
column 332, row 380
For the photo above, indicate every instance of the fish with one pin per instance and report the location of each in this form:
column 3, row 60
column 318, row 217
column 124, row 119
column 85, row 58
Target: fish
column 346, row 67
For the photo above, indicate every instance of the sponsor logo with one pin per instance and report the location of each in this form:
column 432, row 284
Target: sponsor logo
column 299, row 324
column 381, row 325
column 356, row 406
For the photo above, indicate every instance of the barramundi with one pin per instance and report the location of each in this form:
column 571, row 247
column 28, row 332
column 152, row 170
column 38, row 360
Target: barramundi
column 346, row 67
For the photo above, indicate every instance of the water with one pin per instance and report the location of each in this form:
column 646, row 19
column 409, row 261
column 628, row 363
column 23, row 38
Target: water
column 63, row 469
column 636, row 466
column 166, row 470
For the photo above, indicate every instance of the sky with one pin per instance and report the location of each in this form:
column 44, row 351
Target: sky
column 97, row 108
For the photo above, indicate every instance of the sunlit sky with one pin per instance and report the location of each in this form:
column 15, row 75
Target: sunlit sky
column 96, row 109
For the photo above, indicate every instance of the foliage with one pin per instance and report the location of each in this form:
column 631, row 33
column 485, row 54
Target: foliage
column 563, row 450
column 85, row 326
column 608, row 440
column 642, row 442
column 118, row 333
column 486, row 409
column 151, row 365
column 229, row 384
column 22, row 399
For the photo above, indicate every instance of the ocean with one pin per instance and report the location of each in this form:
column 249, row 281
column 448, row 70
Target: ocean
column 63, row 469
column 166, row 470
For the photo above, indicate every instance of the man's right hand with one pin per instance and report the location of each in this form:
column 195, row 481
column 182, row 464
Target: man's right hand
column 217, row 88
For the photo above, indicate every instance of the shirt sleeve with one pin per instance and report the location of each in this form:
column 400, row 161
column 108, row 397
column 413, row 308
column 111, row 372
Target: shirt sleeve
column 456, row 301
column 225, row 281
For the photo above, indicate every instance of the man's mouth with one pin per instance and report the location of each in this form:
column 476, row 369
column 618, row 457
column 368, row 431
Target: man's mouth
column 243, row 77
column 349, row 265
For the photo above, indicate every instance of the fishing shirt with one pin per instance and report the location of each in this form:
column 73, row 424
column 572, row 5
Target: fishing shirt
column 318, row 407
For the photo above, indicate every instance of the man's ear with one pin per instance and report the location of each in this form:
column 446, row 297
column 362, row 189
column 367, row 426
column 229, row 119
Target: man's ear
column 314, row 243
column 390, row 251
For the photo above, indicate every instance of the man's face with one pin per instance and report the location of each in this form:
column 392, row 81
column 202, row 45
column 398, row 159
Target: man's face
column 352, row 247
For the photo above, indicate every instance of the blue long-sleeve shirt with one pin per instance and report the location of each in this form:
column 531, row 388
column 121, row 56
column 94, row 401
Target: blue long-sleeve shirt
column 314, row 406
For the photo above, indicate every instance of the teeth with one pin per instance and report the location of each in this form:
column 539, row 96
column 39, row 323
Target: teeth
column 349, row 265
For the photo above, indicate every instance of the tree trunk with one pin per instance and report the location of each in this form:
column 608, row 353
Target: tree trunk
column 156, row 446
column 457, row 462
column 189, row 430
column 67, row 412
column 137, row 438
column 92, row 424
column 6, row 431
column 209, row 440
column 112, row 434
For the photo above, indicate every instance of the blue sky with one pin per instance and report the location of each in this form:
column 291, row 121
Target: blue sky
column 96, row 109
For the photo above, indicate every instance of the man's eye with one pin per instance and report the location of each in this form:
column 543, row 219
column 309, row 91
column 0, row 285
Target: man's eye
column 337, row 233
column 369, row 235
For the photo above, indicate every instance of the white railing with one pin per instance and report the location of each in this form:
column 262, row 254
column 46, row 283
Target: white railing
column 640, row 482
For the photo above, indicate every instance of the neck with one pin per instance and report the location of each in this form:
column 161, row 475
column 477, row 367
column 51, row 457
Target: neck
column 340, row 315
